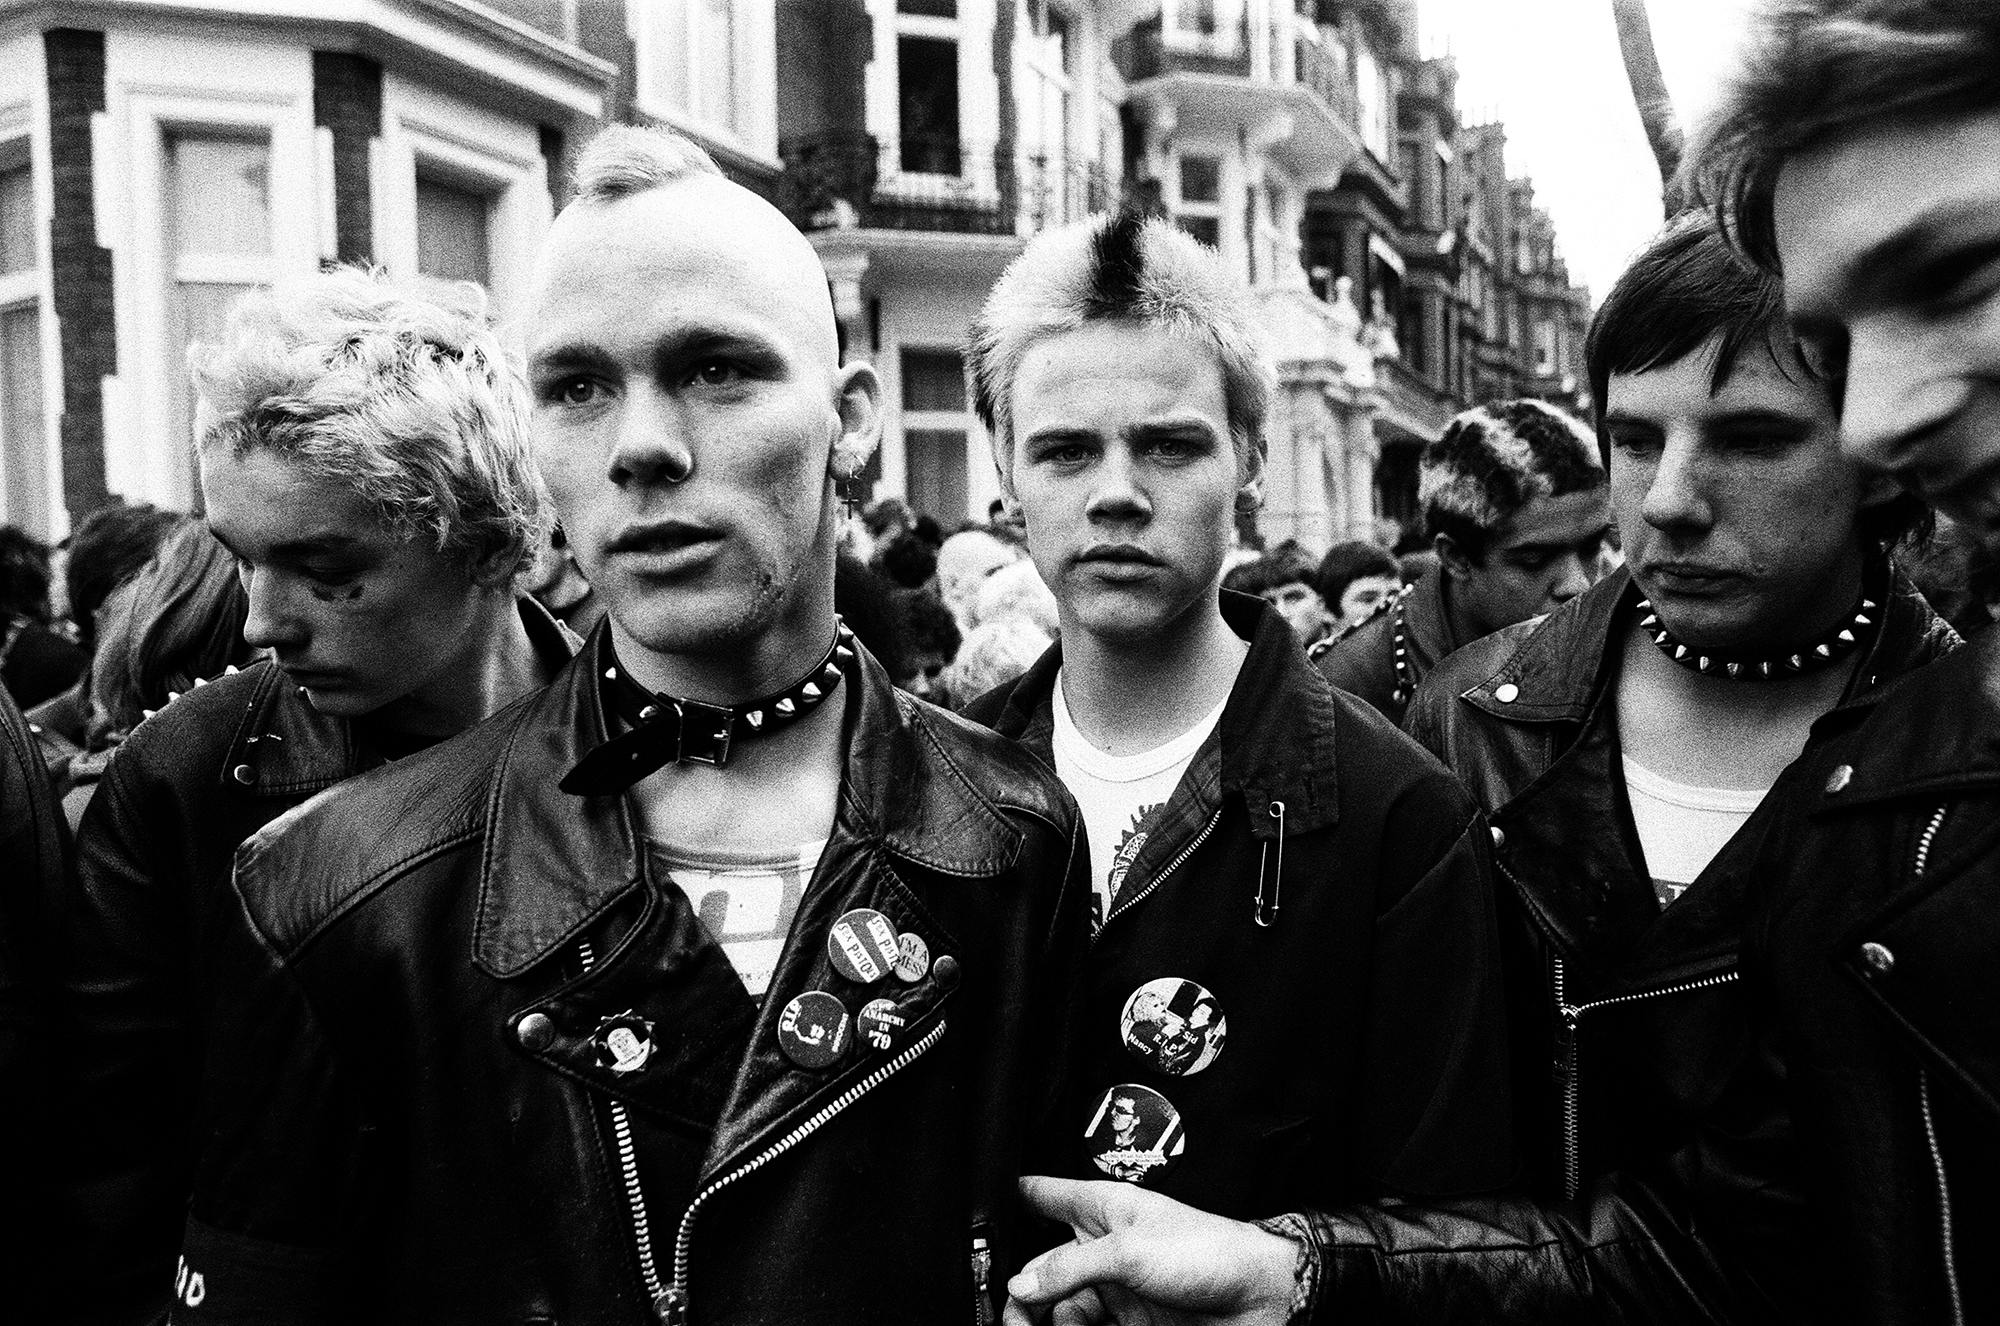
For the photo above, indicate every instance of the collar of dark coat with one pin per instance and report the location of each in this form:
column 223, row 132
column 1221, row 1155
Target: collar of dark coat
column 1567, row 659
column 1563, row 663
column 1427, row 624
column 1277, row 729
column 297, row 751
column 554, row 863
column 1934, row 732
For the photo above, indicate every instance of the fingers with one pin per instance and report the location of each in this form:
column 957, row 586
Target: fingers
column 1081, row 1309
column 1016, row 1313
column 1080, row 1205
column 1062, row 1272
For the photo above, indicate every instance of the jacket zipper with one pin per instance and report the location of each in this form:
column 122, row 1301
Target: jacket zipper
column 672, row 1306
column 982, row 1277
column 1571, row 1060
column 628, row 1172
column 1568, row 1061
column 1952, row 1292
column 1128, row 904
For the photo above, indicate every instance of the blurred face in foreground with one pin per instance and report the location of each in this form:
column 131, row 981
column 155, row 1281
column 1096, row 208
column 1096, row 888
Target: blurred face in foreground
column 1890, row 241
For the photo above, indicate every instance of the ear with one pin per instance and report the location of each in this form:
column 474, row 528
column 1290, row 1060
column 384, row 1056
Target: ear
column 1451, row 558
column 1250, row 484
column 860, row 420
column 496, row 567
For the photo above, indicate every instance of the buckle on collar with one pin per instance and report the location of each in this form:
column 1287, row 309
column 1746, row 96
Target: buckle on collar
column 705, row 731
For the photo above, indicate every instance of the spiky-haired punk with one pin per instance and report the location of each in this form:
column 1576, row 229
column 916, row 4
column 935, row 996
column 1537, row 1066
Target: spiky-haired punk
column 1142, row 269
column 1494, row 459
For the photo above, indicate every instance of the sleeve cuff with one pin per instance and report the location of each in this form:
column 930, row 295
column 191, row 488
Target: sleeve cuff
column 1305, row 1271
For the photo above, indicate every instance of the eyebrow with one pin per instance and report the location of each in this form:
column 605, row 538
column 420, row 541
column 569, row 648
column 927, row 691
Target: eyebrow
column 677, row 345
column 1558, row 545
column 1626, row 417
column 1748, row 415
column 1924, row 238
column 309, row 546
column 1764, row 418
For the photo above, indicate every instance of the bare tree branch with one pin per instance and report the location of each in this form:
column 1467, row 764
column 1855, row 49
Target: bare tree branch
column 1649, row 93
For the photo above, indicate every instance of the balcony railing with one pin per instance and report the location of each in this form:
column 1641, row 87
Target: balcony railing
column 932, row 183
column 1147, row 52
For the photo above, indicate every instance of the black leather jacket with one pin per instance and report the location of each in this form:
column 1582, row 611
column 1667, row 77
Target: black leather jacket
column 1667, row 1185
column 34, row 847
column 1385, row 656
column 153, row 855
column 1365, row 1049
column 417, row 1120
column 1873, row 968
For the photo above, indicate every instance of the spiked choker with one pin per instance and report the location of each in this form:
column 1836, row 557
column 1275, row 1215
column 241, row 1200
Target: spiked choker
column 1841, row 640
column 665, row 729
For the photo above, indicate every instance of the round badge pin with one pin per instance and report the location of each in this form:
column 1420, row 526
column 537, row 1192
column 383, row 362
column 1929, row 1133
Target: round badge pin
column 624, row 1043
column 862, row 945
column 913, row 957
column 812, row 1031
column 879, row 1024
column 1135, row 1134
column 1173, row 1026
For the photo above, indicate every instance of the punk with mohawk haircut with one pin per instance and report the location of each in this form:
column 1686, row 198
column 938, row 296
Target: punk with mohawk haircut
column 1254, row 836
column 1496, row 458
column 1128, row 266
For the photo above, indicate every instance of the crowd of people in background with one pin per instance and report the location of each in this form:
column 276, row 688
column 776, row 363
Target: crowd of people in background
column 952, row 613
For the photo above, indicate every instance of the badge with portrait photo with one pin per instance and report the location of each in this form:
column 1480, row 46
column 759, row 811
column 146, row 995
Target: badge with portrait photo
column 1135, row 1134
column 1174, row 1026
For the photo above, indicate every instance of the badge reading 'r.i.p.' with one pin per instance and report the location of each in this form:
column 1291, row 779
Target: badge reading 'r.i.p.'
column 812, row 1031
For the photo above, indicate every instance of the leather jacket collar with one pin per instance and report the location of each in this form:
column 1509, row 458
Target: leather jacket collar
column 292, row 750
column 899, row 788
column 1426, row 624
column 1915, row 747
column 1566, row 661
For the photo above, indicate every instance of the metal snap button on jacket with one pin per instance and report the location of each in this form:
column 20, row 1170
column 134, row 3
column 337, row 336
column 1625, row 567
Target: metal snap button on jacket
column 535, row 1031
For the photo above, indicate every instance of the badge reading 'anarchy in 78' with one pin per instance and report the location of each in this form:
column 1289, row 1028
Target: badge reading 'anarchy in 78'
column 1135, row 1134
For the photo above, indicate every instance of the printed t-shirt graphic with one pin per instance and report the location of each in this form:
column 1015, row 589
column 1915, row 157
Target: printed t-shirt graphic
column 746, row 902
column 1116, row 793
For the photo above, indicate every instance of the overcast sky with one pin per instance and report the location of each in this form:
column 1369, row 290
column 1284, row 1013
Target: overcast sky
column 1550, row 70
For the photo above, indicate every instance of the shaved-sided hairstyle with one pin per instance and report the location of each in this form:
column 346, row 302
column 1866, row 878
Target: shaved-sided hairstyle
column 1496, row 458
column 626, row 159
column 1124, row 268
column 1816, row 69
column 400, row 395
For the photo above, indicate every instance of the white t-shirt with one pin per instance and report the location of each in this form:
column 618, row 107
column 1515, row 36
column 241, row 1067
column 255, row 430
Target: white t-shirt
column 746, row 903
column 1117, row 792
column 1681, row 828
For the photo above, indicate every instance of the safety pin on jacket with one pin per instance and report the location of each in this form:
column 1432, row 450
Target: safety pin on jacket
column 1268, row 912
